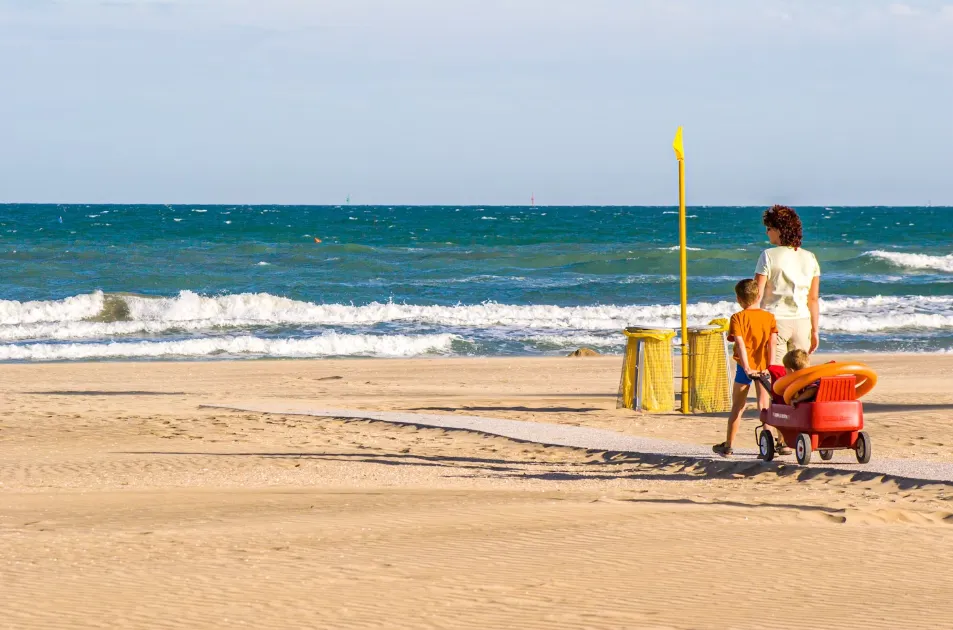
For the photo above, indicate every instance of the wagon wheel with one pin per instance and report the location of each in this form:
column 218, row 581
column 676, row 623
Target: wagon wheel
column 862, row 449
column 766, row 445
column 802, row 449
column 826, row 454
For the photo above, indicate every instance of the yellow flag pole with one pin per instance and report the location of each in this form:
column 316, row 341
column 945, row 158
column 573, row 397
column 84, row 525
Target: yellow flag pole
column 683, row 259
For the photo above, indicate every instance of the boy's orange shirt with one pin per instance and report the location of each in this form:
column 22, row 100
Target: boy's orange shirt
column 755, row 327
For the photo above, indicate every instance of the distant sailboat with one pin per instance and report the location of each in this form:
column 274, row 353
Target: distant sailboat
column 532, row 200
column 348, row 200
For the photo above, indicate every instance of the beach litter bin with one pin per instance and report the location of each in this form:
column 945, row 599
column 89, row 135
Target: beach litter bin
column 647, row 377
column 709, row 362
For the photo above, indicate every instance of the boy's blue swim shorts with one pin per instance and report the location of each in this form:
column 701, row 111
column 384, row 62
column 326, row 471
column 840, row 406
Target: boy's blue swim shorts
column 740, row 377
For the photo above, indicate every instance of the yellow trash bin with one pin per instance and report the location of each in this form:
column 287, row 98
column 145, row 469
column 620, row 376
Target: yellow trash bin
column 709, row 360
column 647, row 377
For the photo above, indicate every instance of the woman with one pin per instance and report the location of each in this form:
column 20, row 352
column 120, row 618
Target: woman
column 789, row 278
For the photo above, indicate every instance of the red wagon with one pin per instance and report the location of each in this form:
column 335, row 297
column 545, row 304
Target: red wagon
column 833, row 421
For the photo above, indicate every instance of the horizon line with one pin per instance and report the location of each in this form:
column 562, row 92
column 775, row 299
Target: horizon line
column 467, row 205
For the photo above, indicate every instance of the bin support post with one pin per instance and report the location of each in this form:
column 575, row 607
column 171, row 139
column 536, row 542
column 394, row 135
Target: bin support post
column 639, row 374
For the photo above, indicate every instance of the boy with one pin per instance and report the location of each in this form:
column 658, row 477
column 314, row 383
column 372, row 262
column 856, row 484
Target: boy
column 794, row 361
column 755, row 334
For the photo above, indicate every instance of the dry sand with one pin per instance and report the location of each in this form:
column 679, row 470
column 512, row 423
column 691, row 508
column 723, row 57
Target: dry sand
column 124, row 504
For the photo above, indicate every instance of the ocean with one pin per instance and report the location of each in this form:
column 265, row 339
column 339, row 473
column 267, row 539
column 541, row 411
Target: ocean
column 202, row 282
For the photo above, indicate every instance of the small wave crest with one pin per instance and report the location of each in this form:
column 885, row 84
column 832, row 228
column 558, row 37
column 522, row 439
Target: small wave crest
column 924, row 262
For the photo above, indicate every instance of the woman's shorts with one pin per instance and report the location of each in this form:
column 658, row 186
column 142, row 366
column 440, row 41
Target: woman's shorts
column 793, row 334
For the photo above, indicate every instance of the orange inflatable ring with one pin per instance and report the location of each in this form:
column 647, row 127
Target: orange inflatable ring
column 790, row 385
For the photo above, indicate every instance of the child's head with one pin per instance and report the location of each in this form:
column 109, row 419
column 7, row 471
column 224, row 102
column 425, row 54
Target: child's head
column 796, row 360
column 747, row 292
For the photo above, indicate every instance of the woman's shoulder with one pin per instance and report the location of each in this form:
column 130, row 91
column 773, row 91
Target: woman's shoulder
column 783, row 251
column 772, row 254
column 807, row 255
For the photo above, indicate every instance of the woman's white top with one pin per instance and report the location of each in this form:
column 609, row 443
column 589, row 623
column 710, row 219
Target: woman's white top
column 789, row 272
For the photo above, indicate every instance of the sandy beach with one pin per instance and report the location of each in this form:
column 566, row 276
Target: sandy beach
column 125, row 503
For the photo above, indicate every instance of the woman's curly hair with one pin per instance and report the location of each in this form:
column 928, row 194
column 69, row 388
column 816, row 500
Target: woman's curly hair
column 786, row 222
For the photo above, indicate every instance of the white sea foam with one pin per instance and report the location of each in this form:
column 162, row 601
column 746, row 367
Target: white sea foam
column 329, row 344
column 68, row 319
column 578, row 340
column 675, row 248
column 62, row 331
column 899, row 321
column 73, row 308
column 915, row 261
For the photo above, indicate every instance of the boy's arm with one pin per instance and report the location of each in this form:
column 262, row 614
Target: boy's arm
column 742, row 353
column 772, row 349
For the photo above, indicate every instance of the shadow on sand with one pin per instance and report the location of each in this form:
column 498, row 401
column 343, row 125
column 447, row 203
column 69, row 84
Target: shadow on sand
column 647, row 466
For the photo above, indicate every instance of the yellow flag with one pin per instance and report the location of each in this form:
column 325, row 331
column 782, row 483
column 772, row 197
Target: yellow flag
column 677, row 145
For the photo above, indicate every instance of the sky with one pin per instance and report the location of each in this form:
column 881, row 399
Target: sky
column 803, row 102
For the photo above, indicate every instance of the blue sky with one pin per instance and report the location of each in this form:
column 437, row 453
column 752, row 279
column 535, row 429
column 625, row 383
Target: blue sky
column 476, row 101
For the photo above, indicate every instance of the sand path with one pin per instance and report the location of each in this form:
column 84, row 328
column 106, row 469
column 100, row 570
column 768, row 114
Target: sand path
column 550, row 434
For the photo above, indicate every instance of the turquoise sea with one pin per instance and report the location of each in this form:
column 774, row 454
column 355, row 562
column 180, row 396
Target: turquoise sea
column 90, row 282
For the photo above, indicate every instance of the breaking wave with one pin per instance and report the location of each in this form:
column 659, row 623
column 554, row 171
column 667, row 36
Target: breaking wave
column 99, row 315
column 190, row 325
column 924, row 262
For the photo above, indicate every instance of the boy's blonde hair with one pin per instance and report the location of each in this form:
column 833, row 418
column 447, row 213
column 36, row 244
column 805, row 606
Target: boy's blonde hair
column 747, row 292
column 796, row 360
